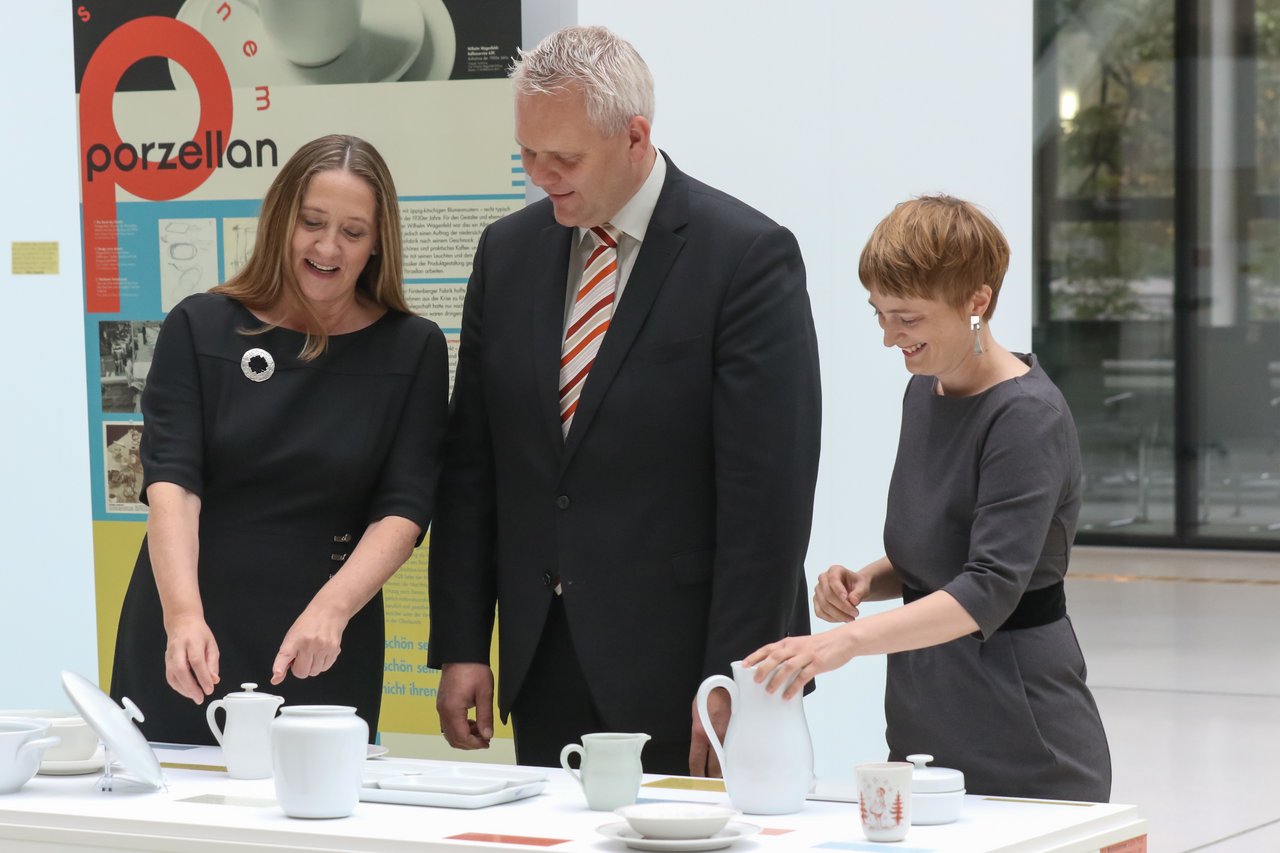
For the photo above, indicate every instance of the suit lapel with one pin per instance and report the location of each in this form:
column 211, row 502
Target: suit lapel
column 658, row 251
column 550, row 285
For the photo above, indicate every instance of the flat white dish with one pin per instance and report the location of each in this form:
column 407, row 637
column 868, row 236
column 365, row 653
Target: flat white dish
column 375, row 794
column 442, row 784
column 92, row 764
column 391, row 37
column 375, row 750
column 621, row 831
column 677, row 820
column 116, row 728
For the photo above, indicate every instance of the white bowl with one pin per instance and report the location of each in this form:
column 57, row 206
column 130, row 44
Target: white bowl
column 21, row 744
column 676, row 820
column 79, row 741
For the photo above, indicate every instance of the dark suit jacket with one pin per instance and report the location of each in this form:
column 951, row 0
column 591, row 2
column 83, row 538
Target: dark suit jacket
column 676, row 514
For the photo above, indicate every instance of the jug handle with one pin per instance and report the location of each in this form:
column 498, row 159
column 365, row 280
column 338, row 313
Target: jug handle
column 704, row 691
column 213, row 723
column 570, row 749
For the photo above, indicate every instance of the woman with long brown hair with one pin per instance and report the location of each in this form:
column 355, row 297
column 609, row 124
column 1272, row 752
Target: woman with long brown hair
column 292, row 419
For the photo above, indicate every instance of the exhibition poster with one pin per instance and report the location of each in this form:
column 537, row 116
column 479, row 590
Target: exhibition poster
column 187, row 109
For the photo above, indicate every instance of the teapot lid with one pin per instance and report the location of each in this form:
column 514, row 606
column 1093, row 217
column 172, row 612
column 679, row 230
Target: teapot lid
column 249, row 692
column 933, row 780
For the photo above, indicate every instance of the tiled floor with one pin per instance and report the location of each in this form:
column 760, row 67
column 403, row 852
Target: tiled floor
column 1184, row 659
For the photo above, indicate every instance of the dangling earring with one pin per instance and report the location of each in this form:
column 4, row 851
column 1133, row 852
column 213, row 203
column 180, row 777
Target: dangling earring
column 975, row 323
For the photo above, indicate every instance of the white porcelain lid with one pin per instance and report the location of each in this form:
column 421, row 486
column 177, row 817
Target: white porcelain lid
column 115, row 726
column 249, row 693
column 933, row 780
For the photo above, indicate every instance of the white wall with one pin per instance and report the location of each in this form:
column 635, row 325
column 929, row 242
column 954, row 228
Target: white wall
column 822, row 113
column 46, row 561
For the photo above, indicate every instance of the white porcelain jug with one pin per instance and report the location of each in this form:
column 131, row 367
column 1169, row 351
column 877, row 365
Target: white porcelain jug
column 318, row 754
column 767, row 757
column 246, row 737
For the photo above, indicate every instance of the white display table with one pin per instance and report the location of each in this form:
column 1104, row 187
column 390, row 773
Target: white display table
column 204, row 811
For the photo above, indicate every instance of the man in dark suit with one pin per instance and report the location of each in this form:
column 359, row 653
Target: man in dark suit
column 633, row 445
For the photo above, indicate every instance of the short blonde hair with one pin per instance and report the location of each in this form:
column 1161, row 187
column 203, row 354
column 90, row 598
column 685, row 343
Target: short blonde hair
column 613, row 78
column 936, row 247
column 267, row 280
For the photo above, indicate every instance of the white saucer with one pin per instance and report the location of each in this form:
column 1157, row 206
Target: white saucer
column 391, row 37
column 623, row 832
column 374, row 750
column 93, row 764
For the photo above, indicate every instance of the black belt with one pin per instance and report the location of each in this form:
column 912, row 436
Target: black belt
column 1036, row 607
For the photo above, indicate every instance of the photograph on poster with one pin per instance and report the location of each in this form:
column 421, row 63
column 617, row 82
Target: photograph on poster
column 123, row 463
column 188, row 259
column 238, row 236
column 301, row 42
column 124, row 358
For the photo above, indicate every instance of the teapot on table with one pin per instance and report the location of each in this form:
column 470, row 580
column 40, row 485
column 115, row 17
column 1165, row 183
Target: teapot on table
column 246, row 737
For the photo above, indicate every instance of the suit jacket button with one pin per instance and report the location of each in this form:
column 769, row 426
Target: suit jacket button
column 562, row 502
column 548, row 580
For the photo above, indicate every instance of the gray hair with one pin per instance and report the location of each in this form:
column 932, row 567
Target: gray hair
column 608, row 71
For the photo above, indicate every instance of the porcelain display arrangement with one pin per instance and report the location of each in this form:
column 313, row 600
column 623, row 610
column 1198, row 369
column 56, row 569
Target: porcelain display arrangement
column 246, row 737
column 611, row 769
column 22, row 743
column 317, row 758
column 767, row 756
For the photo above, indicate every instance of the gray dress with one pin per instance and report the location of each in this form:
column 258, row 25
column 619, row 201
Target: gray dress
column 983, row 503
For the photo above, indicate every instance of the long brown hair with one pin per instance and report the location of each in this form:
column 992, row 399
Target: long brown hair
column 267, row 280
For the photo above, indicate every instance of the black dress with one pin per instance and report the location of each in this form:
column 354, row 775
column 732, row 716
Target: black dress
column 290, row 471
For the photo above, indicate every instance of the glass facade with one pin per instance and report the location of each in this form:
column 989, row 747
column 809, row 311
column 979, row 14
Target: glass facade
column 1157, row 243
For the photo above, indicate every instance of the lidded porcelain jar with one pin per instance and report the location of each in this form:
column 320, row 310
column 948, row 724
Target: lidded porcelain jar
column 317, row 755
column 936, row 792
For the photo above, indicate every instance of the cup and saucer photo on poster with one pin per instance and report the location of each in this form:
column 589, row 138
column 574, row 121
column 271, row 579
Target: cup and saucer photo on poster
column 304, row 42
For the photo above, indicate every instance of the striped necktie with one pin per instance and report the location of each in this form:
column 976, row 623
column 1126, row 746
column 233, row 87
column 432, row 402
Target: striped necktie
column 592, row 310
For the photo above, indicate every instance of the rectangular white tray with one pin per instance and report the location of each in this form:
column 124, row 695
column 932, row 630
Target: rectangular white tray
column 519, row 784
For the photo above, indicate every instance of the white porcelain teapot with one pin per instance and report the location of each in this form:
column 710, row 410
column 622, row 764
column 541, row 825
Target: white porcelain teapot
column 246, row 737
column 767, row 756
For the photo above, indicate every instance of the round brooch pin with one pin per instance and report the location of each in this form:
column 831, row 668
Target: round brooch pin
column 258, row 364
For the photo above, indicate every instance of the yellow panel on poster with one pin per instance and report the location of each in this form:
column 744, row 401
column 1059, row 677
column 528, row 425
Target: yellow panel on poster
column 408, row 684
column 35, row 258
column 115, row 548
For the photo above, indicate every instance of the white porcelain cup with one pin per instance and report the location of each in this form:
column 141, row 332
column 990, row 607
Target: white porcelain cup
column 79, row 741
column 317, row 759
column 884, row 799
column 22, row 743
column 311, row 32
column 611, row 769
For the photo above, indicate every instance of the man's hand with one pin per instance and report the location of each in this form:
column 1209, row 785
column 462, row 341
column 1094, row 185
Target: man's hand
column 464, row 686
column 702, row 757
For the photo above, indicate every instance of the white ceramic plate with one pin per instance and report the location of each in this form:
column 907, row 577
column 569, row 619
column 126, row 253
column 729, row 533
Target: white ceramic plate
column 73, row 768
column 621, row 831
column 116, row 728
column 375, row 750
column 391, row 37
column 373, row 794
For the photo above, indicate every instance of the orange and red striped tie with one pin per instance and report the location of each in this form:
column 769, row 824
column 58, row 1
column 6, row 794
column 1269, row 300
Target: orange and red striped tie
column 592, row 310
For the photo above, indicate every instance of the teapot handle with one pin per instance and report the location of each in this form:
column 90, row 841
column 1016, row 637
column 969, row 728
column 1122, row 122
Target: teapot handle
column 704, row 691
column 213, row 723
